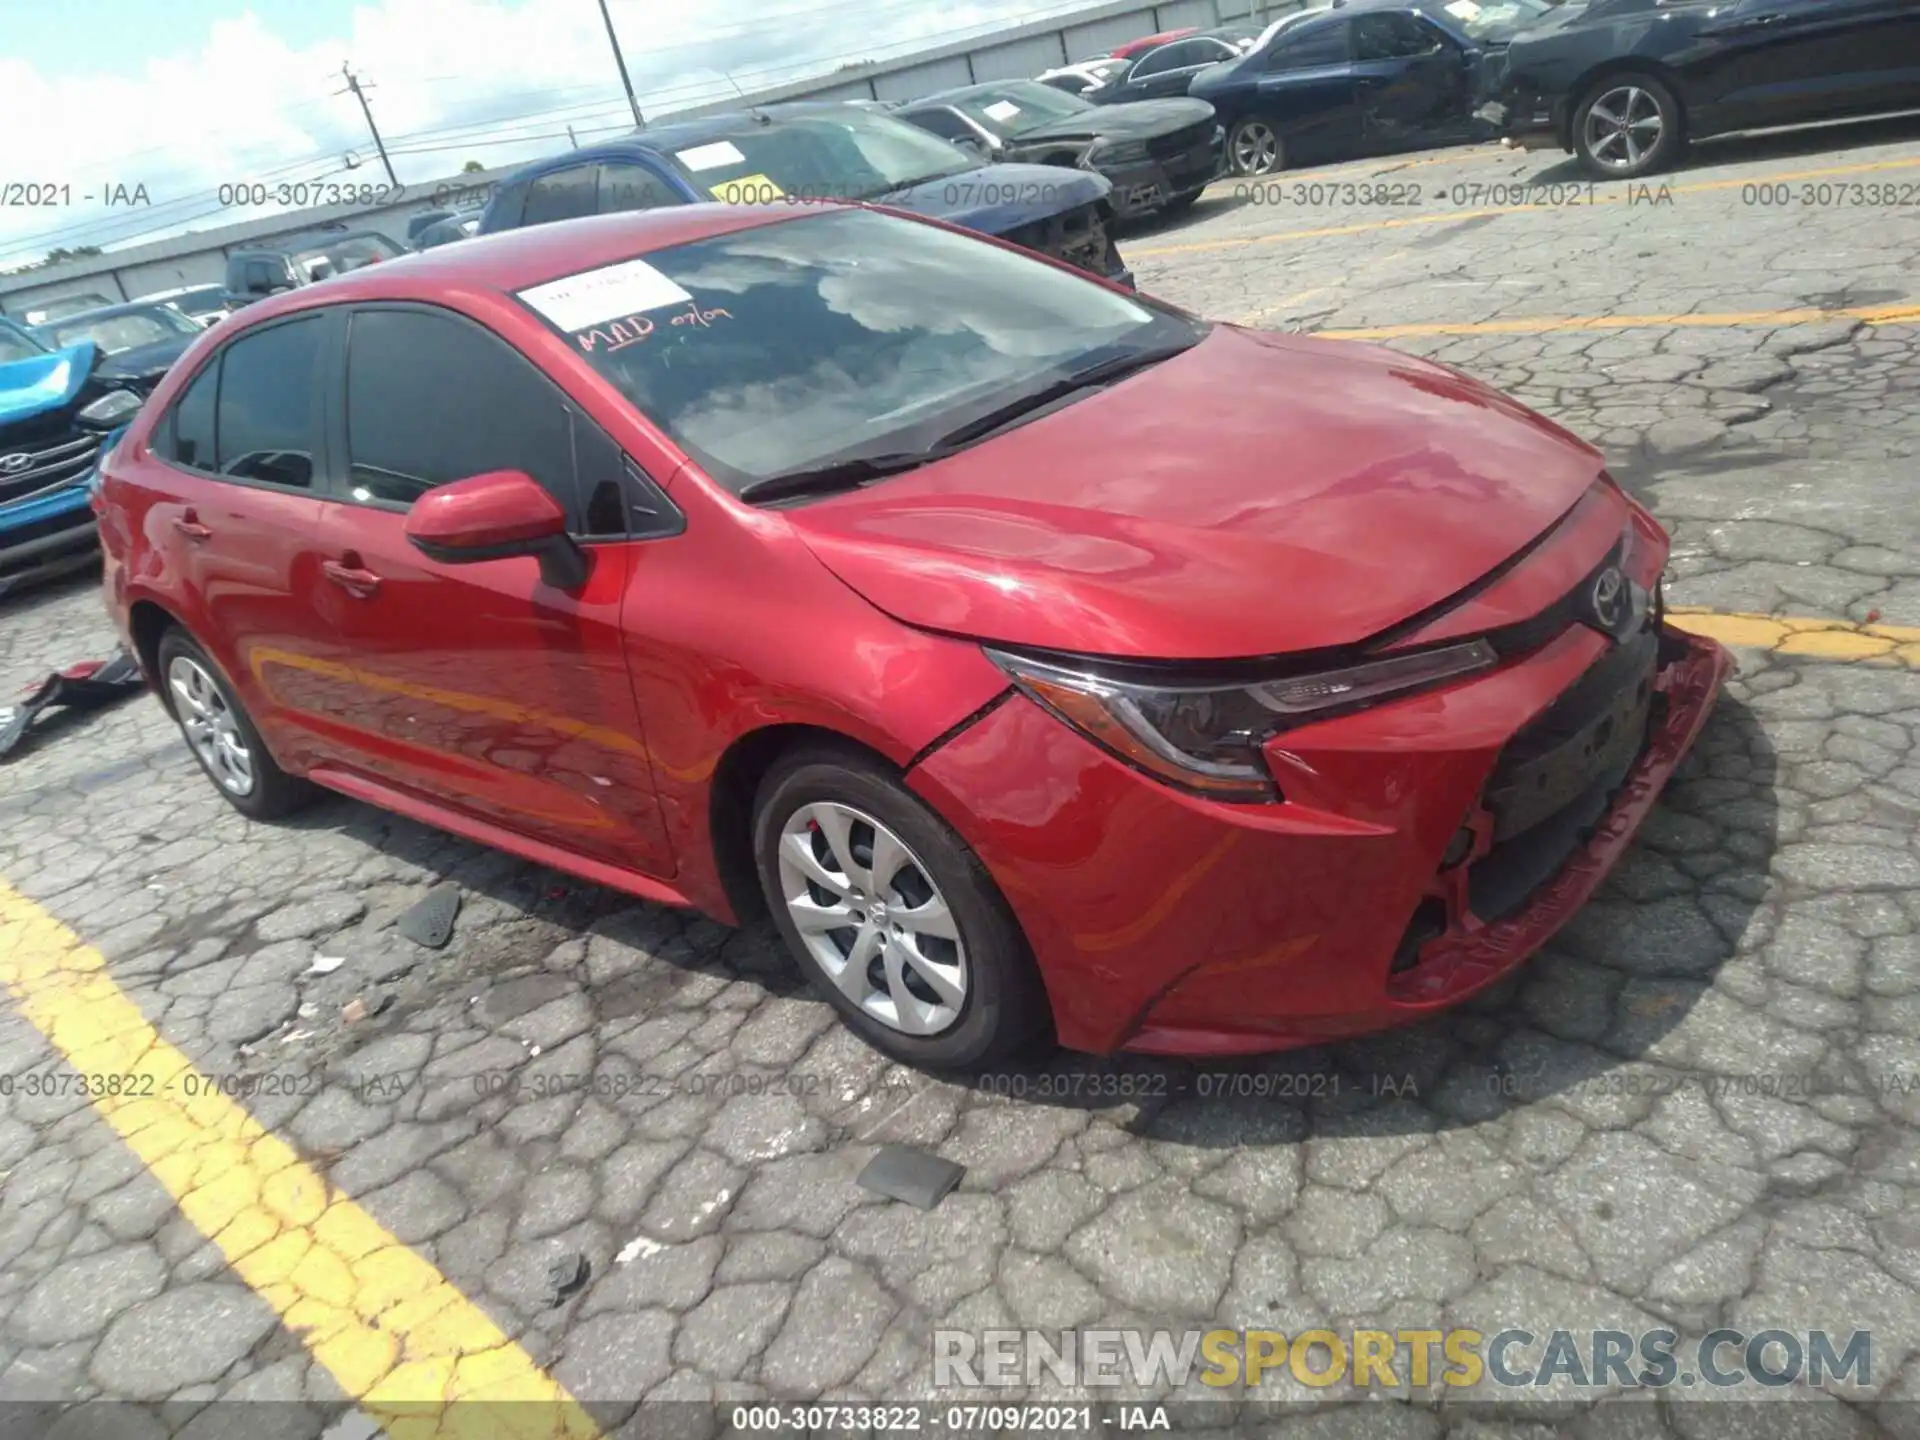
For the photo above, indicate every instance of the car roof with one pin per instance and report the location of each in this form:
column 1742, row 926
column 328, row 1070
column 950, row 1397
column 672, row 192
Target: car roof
column 511, row 260
column 104, row 312
column 963, row 92
column 680, row 134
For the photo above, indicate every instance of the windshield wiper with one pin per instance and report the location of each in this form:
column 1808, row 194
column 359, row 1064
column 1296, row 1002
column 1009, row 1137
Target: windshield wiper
column 1104, row 372
column 917, row 180
column 853, row 471
column 847, row 474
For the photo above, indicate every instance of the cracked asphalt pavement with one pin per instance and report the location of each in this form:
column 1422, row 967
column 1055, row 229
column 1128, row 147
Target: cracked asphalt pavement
column 1699, row 1107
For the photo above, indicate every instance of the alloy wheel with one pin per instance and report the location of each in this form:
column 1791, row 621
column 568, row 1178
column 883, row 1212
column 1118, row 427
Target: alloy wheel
column 1623, row 127
column 210, row 725
column 872, row 918
column 1255, row 148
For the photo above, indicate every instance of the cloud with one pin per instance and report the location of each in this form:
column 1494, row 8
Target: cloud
column 451, row 80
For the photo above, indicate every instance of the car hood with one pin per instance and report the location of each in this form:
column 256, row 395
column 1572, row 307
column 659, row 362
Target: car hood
column 1256, row 495
column 44, row 382
column 144, row 362
column 1129, row 120
column 997, row 198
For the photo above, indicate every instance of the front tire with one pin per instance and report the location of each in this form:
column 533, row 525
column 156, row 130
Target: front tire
column 221, row 734
column 892, row 918
column 1626, row 126
column 1254, row 147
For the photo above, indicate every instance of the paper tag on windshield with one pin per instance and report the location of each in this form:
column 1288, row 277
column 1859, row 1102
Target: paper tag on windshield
column 1463, row 9
column 747, row 190
column 614, row 290
column 710, row 157
column 1001, row 110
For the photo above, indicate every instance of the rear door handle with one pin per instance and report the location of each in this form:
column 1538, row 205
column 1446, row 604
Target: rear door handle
column 1744, row 24
column 360, row 583
column 189, row 525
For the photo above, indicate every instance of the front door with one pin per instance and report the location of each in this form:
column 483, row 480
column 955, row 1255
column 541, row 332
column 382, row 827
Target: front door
column 479, row 685
column 1412, row 81
column 1777, row 62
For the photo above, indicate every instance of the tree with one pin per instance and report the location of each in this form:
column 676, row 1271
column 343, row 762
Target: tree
column 59, row 255
column 471, row 167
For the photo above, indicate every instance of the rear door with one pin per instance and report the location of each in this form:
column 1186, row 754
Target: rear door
column 1778, row 62
column 1410, row 80
column 236, row 518
column 478, row 685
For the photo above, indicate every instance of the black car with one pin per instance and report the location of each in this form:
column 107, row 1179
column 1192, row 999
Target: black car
column 137, row 341
column 1159, row 154
column 255, row 274
column 1625, row 84
column 1167, row 70
column 1367, row 78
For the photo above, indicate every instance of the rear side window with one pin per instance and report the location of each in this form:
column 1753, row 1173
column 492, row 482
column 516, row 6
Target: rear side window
column 432, row 399
column 190, row 431
column 1311, row 46
column 563, row 195
column 265, row 422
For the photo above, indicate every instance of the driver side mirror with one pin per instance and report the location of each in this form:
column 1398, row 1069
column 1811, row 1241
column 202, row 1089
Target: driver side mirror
column 495, row 516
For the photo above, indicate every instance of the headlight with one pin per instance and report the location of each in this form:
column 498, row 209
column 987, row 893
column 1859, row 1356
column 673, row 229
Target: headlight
column 110, row 411
column 1207, row 738
column 1120, row 152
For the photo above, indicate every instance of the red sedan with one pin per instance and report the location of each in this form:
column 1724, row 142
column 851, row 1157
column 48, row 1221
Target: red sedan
column 1042, row 657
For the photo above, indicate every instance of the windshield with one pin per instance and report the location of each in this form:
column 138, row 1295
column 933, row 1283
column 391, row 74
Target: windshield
column 842, row 154
column 1495, row 20
column 1019, row 106
column 836, row 333
column 114, row 333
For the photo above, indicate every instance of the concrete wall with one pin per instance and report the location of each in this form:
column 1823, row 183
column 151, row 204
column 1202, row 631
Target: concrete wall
column 1018, row 51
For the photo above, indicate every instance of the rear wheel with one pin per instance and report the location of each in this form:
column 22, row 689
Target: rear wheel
column 891, row 916
column 221, row 734
column 1627, row 126
column 1254, row 147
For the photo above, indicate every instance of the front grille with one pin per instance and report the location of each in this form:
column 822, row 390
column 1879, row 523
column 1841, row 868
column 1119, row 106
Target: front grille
column 54, row 460
column 1179, row 142
column 1557, row 776
column 1078, row 237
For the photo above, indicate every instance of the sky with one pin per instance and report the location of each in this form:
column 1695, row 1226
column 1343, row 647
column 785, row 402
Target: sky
column 110, row 103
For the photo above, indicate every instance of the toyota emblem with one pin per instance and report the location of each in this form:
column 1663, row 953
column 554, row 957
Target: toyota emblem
column 13, row 464
column 1611, row 600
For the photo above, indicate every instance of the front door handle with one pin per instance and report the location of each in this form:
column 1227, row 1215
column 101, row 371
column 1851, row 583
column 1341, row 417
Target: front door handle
column 351, row 576
column 188, row 524
column 1743, row 25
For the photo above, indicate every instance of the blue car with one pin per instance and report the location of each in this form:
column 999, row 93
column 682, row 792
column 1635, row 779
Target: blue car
column 53, row 412
column 819, row 151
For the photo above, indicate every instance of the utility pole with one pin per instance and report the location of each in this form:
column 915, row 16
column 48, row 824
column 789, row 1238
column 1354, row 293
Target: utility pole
column 620, row 60
column 572, row 137
column 353, row 85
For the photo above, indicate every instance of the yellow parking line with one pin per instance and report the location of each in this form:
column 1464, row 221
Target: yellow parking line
column 1616, row 197
column 1815, row 639
column 1545, row 324
column 397, row 1335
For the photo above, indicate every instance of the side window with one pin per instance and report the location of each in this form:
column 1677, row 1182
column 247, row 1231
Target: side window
column 632, row 187
column 1155, row 62
column 563, row 195
column 188, row 433
column 1311, row 46
column 265, row 424
column 259, row 277
column 1390, row 35
column 432, row 399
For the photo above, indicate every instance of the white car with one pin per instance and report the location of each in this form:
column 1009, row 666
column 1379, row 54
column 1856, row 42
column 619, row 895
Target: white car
column 1086, row 75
